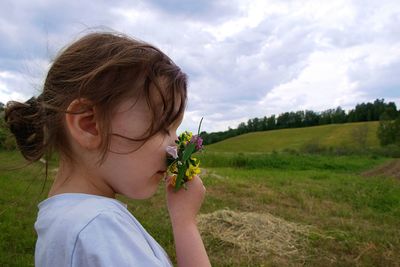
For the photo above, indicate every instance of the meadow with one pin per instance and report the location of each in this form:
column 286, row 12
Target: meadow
column 292, row 197
column 348, row 136
column 347, row 219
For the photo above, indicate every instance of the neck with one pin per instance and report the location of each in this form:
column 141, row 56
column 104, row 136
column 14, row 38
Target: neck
column 71, row 178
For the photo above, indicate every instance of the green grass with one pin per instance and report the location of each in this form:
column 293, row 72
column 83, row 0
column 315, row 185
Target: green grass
column 349, row 135
column 289, row 161
column 353, row 210
column 19, row 194
column 359, row 215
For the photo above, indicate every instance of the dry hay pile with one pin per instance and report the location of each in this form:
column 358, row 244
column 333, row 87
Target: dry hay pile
column 255, row 234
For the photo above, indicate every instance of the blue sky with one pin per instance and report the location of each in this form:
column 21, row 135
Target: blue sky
column 244, row 59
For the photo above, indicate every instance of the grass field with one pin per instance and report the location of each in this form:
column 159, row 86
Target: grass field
column 350, row 135
column 354, row 219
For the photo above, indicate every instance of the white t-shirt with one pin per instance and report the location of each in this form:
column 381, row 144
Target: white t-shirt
column 77, row 229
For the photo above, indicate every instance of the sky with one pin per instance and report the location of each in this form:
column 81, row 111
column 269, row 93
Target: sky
column 244, row 58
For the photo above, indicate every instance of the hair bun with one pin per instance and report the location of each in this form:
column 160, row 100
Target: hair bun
column 26, row 123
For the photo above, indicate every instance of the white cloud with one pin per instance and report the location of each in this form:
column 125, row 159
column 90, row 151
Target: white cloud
column 320, row 85
column 20, row 85
column 10, row 80
column 330, row 79
column 244, row 58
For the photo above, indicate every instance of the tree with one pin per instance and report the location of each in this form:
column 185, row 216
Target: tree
column 264, row 124
column 352, row 116
column 372, row 111
column 256, row 124
column 250, row 125
column 242, row 128
column 298, row 118
column 391, row 110
column 326, row 117
column 378, row 110
column 283, row 120
column 271, row 122
column 389, row 130
column 339, row 115
column 310, row 118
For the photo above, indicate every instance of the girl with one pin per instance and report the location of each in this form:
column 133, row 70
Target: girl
column 110, row 106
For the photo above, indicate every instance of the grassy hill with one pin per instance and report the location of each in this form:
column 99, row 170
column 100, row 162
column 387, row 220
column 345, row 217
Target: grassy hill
column 349, row 135
column 282, row 209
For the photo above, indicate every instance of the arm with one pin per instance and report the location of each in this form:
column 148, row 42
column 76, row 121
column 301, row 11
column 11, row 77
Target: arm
column 189, row 246
column 183, row 207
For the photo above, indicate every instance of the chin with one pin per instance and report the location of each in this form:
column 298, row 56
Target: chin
column 141, row 195
column 148, row 191
column 145, row 194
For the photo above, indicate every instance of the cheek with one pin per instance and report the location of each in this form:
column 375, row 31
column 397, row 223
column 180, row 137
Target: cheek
column 133, row 175
column 122, row 167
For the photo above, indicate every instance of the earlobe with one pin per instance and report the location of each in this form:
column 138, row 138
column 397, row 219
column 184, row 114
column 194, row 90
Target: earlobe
column 82, row 125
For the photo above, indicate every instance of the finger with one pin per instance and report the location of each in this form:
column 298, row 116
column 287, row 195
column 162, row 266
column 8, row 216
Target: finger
column 197, row 178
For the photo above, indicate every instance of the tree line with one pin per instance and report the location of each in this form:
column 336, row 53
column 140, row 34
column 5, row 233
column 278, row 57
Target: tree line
column 374, row 111
column 386, row 113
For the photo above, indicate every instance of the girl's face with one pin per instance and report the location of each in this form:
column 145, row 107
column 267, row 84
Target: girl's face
column 136, row 174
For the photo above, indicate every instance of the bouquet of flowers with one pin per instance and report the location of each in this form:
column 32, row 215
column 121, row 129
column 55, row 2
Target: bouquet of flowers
column 182, row 167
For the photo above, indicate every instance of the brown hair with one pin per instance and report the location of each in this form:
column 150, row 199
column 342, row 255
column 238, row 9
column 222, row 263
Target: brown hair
column 103, row 68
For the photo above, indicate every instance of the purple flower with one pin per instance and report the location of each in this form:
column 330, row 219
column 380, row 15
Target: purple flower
column 196, row 139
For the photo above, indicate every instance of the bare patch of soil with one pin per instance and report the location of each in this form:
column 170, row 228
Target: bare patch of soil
column 391, row 169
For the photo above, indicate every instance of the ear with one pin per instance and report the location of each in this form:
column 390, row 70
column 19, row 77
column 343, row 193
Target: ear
column 83, row 126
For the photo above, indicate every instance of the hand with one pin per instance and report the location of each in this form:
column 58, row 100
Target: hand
column 184, row 205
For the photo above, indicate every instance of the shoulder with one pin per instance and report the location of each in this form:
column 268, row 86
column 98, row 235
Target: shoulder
column 64, row 218
column 110, row 223
column 88, row 231
column 109, row 239
column 80, row 213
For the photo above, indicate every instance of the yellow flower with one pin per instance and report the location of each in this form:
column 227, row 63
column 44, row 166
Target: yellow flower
column 173, row 180
column 196, row 161
column 186, row 136
column 173, row 168
column 193, row 170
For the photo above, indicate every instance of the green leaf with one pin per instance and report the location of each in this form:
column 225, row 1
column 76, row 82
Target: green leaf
column 188, row 152
column 181, row 174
